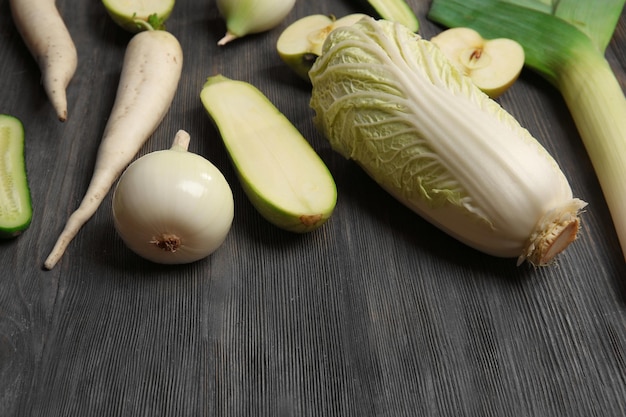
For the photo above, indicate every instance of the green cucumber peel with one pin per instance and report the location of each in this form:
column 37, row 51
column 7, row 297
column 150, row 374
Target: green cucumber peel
column 15, row 199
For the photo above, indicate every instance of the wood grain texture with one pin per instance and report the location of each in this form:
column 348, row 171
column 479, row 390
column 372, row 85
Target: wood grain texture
column 376, row 314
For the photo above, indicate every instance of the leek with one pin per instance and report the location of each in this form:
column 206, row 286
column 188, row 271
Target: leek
column 565, row 41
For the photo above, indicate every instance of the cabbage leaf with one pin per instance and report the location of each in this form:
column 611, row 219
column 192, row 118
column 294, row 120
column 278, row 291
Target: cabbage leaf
column 392, row 102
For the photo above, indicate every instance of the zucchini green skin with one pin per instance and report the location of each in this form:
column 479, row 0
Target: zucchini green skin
column 15, row 200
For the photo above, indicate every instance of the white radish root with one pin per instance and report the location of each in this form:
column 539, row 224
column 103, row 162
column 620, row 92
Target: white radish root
column 47, row 38
column 149, row 79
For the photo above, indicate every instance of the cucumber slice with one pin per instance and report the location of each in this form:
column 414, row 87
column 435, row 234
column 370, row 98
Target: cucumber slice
column 137, row 15
column 15, row 203
column 282, row 175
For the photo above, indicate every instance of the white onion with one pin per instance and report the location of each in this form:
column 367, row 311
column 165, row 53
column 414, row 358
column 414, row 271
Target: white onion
column 245, row 17
column 173, row 206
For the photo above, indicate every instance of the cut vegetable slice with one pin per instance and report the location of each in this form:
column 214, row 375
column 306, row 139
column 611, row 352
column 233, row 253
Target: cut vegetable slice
column 15, row 200
column 282, row 175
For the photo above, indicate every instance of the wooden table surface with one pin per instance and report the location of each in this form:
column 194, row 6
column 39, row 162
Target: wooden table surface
column 375, row 314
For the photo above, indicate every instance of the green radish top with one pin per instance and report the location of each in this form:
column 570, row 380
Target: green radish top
column 15, row 200
column 280, row 172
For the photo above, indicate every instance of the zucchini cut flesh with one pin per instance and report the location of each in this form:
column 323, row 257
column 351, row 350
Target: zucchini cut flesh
column 15, row 200
column 280, row 172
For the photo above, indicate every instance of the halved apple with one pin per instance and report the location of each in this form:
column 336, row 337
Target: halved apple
column 492, row 64
column 301, row 43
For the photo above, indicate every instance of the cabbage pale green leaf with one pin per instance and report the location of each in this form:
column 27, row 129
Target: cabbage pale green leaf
column 391, row 101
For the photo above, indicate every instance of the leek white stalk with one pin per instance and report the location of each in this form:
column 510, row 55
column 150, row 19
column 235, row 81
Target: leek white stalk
column 245, row 17
column 565, row 43
column 393, row 103
column 173, row 206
